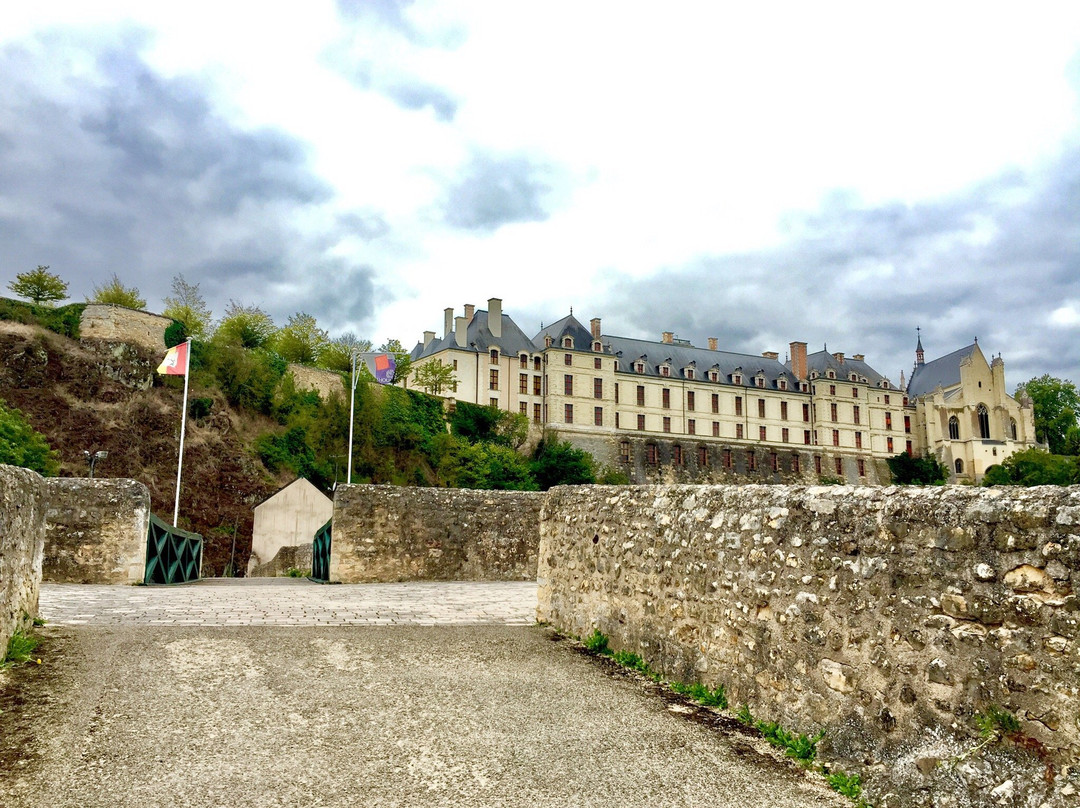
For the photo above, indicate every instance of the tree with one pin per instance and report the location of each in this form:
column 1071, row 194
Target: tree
column 560, row 463
column 1056, row 404
column 244, row 326
column 300, row 340
column 908, row 470
column 338, row 353
column 434, row 377
column 401, row 358
column 115, row 293
column 40, row 286
column 187, row 305
column 22, row 445
column 1034, row 467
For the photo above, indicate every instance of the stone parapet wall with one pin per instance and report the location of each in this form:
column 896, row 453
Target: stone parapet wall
column 22, row 529
column 384, row 533
column 889, row 617
column 109, row 323
column 324, row 382
column 95, row 531
column 289, row 557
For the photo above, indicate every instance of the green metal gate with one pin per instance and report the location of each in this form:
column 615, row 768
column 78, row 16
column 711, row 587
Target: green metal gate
column 173, row 556
column 320, row 554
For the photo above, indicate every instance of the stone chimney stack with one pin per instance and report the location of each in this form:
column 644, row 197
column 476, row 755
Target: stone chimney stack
column 798, row 359
column 839, row 357
column 595, row 324
column 470, row 309
column 713, row 343
column 667, row 337
column 428, row 337
column 461, row 330
column 495, row 316
column 448, row 321
column 858, row 357
column 771, row 355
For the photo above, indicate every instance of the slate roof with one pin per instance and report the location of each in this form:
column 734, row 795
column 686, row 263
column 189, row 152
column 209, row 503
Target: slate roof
column 944, row 372
column 823, row 361
column 478, row 338
column 630, row 350
column 567, row 326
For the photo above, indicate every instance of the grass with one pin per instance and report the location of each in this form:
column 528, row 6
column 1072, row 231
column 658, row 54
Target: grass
column 293, row 572
column 20, row 649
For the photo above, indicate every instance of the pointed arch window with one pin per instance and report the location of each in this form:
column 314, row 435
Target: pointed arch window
column 1012, row 428
column 984, row 422
column 954, row 428
column 959, row 466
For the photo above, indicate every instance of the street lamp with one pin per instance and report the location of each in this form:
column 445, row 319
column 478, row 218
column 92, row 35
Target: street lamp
column 92, row 459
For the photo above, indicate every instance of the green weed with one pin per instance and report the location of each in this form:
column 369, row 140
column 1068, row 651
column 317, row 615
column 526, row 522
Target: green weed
column 20, row 649
column 850, row 785
column 744, row 715
column 293, row 572
column 597, row 643
column 801, row 747
column 996, row 723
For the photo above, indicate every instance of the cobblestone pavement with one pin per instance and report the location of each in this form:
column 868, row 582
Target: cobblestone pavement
column 290, row 602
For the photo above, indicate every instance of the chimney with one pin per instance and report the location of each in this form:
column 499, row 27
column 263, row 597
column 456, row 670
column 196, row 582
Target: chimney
column 495, row 316
column 858, row 357
column 461, row 330
column 428, row 337
column 712, row 343
column 469, row 310
column 798, row 359
column 773, row 355
column 667, row 337
column 448, row 321
column 595, row 323
column 839, row 357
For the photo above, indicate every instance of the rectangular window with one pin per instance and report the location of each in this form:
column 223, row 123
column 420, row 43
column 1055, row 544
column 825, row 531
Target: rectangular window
column 616, row 420
column 761, row 408
column 862, row 467
column 832, row 412
column 598, row 416
column 832, row 389
column 783, row 410
column 665, row 398
column 536, row 363
column 596, row 363
column 624, row 451
column 907, row 423
column 738, row 405
column 568, row 385
column 641, row 395
column 888, row 445
column 855, row 414
column 494, row 402
column 568, row 359
column 525, row 408
column 908, row 449
column 616, row 392
column 716, row 429
column 493, row 380
column 716, row 402
column 784, row 436
column 651, row 455
column 691, row 427
column 840, row 466
column 676, row 455
column 568, row 413
column 536, row 385
column 703, row 456
column 738, row 431
column 806, row 437
column 751, row 461
column 888, row 420
column 886, row 399
column 523, row 383
column 690, row 400
column 854, row 392
column 525, row 361
column 795, row 464
column 836, row 437
column 641, row 422
column 667, row 423
column 536, row 413
column 817, row 464
column 761, row 433
column 858, row 440
column 597, row 388
column 774, row 461
column 494, row 356
column 455, row 364
column 806, row 412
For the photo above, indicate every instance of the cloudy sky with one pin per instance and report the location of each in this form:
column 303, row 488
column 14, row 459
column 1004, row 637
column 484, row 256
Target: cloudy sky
column 828, row 172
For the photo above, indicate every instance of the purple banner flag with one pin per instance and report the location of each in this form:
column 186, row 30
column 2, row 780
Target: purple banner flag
column 384, row 368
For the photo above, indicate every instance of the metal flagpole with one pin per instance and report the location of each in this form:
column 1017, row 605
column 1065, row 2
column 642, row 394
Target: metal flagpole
column 352, row 405
column 183, row 424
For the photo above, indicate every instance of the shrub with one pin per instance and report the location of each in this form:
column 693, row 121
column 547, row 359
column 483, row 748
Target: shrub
column 22, row 445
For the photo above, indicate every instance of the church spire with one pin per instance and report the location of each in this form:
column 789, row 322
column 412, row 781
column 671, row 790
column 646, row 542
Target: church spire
column 919, row 358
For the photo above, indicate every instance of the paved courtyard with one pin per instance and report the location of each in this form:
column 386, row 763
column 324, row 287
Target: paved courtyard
column 290, row 602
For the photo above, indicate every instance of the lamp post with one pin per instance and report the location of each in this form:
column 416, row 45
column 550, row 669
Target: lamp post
column 352, row 407
column 92, row 459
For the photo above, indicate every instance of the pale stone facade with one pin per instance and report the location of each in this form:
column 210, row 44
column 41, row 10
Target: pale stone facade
column 288, row 518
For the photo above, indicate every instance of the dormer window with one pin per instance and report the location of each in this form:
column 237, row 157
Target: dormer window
column 814, row 374
column 597, row 347
column 548, row 341
column 714, row 376
column 759, row 381
column 831, row 374
column 804, row 387
column 665, row 370
column 885, row 384
column 639, row 367
column 494, row 356
column 854, row 377
column 736, row 378
column 568, row 342
column 781, row 384
column 689, row 373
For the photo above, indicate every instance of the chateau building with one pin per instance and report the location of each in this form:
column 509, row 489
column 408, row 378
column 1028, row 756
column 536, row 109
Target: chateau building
column 669, row 411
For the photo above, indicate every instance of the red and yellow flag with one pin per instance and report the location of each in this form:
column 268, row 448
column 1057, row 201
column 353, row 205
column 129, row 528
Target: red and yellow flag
column 175, row 362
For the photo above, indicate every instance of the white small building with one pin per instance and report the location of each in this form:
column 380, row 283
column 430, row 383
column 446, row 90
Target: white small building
column 288, row 518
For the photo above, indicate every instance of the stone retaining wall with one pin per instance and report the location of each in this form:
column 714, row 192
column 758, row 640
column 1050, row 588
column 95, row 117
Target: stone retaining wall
column 22, row 529
column 889, row 617
column 109, row 323
column 324, row 382
column 384, row 533
column 95, row 531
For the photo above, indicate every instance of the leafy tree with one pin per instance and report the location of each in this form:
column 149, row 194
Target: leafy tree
column 338, row 353
column 908, row 470
column 22, row 445
column 244, row 326
column 1034, row 467
column 115, row 293
column 560, row 463
column 175, row 333
column 187, row 305
column 1056, row 405
column 475, row 422
column 401, row 358
column 39, row 285
column 300, row 340
column 434, row 377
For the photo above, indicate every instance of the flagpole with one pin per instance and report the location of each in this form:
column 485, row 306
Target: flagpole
column 183, row 424
column 352, row 405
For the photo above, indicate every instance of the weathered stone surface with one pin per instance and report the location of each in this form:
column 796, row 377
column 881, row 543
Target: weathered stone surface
column 834, row 607
column 95, row 531
column 289, row 557
column 22, row 530
column 324, row 382
column 109, row 323
column 384, row 533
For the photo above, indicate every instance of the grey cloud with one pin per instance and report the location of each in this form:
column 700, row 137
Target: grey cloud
column 418, row 96
column 862, row 278
column 495, row 191
column 131, row 172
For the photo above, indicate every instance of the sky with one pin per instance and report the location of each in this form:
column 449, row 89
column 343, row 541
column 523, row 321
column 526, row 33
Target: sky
column 833, row 173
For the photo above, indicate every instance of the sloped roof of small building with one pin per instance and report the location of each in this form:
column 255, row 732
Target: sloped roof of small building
column 943, row 372
column 568, row 326
column 302, row 481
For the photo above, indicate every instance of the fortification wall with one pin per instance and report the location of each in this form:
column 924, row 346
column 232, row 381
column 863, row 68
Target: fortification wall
column 385, row 533
column 109, row 323
column 22, row 530
column 324, row 382
column 889, row 617
column 95, row 531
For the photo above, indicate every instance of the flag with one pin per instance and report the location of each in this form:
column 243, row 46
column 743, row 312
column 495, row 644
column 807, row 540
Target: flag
column 384, row 368
column 175, row 362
